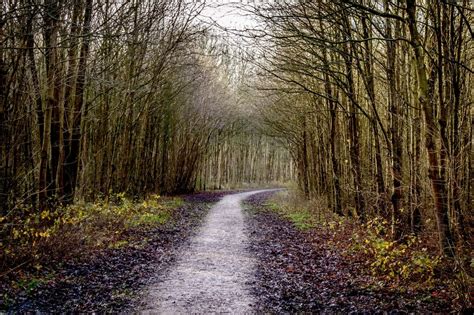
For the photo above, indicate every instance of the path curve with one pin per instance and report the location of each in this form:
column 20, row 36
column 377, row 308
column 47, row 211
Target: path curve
column 213, row 272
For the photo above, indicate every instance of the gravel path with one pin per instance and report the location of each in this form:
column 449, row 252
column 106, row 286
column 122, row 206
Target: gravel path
column 214, row 271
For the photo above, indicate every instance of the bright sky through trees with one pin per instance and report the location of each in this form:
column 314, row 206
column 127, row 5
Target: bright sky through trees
column 228, row 15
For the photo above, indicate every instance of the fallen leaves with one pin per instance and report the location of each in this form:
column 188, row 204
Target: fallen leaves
column 300, row 272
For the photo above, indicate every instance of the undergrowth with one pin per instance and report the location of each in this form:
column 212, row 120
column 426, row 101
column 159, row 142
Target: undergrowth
column 410, row 265
column 401, row 265
column 32, row 239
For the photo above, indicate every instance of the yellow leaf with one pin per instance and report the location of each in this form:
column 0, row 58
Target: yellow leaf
column 44, row 234
column 44, row 214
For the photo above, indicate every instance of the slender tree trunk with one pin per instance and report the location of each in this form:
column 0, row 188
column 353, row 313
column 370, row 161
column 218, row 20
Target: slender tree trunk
column 4, row 130
column 425, row 99
column 304, row 166
column 353, row 128
column 72, row 158
column 49, row 159
column 332, row 141
column 396, row 137
column 369, row 81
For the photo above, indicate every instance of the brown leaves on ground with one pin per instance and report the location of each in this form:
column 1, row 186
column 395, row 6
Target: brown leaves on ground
column 300, row 272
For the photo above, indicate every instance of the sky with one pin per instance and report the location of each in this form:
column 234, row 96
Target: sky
column 228, row 14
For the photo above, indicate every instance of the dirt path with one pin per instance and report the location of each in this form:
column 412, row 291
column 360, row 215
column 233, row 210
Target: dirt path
column 214, row 271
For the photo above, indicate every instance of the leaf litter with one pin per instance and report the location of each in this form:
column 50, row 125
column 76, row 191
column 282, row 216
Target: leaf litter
column 300, row 272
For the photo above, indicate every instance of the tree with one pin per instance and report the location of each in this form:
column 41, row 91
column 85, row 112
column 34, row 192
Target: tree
column 352, row 59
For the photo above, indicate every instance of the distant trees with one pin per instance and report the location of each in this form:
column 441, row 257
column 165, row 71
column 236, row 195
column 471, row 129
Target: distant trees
column 363, row 86
column 246, row 158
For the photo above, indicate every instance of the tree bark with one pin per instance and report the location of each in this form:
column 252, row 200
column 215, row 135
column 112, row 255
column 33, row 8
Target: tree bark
column 432, row 135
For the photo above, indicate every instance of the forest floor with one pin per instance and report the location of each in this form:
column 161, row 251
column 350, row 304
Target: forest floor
column 298, row 271
column 286, row 269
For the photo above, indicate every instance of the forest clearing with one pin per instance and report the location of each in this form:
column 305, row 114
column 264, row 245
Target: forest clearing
column 290, row 156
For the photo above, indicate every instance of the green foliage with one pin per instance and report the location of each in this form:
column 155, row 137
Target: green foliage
column 152, row 219
column 302, row 220
column 400, row 262
column 301, row 217
column 29, row 284
column 274, row 206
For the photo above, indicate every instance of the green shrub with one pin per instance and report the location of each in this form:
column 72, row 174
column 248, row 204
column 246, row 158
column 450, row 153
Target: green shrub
column 302, row 219
column 400, row 262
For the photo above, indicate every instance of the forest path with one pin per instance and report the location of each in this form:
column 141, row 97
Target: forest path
column 213, row 272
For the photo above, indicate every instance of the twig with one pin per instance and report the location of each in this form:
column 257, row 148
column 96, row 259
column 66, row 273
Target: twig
column 23, row 263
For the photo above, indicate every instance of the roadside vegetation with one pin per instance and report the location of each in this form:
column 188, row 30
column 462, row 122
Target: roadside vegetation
column 41, row 242
column 411, row 265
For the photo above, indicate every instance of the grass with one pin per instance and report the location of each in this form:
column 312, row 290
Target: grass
column 300, row 217
column 152, row 219
column 305, row 215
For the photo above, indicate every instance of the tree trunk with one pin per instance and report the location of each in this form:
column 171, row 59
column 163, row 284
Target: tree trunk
column 71, row 166
column 432, row 135
column 396, row 134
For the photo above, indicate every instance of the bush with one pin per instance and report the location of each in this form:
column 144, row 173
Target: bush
column 400, row 263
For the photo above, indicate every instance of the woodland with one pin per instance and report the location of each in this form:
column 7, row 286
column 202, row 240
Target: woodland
column 363, row 109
